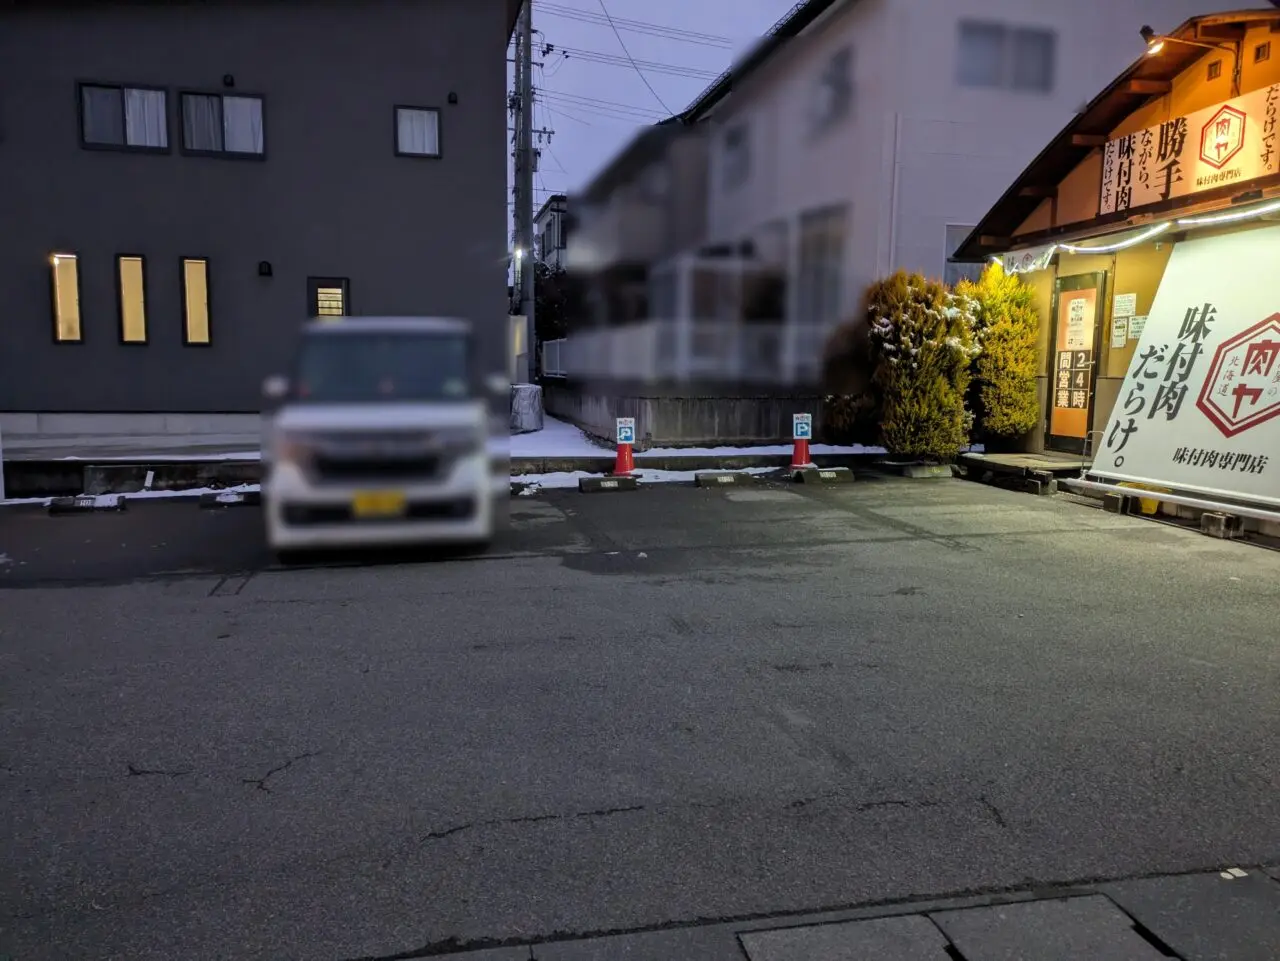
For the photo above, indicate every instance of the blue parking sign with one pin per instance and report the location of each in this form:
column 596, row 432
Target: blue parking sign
column 802, row 426
column 626, row 430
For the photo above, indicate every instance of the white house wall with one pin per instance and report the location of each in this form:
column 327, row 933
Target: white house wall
column 918, row 151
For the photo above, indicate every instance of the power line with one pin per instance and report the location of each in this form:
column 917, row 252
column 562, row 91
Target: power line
column 622, row 43
column 566, row 95
column 653, row 66
column 637, row 26
column 624, row 111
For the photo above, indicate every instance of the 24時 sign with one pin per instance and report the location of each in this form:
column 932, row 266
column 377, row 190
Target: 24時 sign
column 1228, row 143
column 1200, row 407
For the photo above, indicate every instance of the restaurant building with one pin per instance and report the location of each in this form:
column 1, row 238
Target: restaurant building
column 1149, row 229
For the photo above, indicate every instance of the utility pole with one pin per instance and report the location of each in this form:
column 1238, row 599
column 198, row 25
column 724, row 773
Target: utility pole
column 524, row 183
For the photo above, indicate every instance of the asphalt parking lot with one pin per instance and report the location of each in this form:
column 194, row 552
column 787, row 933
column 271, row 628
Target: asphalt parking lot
column 639, row 711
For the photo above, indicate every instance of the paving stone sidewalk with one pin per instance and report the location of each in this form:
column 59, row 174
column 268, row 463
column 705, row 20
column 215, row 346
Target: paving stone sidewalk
column 1232, row 914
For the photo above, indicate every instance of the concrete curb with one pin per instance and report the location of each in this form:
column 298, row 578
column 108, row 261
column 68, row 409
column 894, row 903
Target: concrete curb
column 680, row 462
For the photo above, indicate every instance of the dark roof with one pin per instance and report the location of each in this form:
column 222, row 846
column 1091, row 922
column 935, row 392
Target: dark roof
column 1145, row 78
column 792, row 23
column 554, row 199
column 645, row 147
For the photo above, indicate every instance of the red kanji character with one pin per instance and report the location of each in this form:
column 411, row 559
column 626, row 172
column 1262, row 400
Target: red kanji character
column 1260, row 357
column 1241, row 392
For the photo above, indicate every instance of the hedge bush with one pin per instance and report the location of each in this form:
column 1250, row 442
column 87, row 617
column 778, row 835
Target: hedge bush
column 1005, row 401
column 922, row 343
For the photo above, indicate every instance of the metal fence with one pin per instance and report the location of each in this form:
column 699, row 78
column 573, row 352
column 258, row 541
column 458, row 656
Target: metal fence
column 553, row 359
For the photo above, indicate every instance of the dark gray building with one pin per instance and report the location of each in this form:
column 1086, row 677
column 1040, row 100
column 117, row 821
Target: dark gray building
column 182, row 183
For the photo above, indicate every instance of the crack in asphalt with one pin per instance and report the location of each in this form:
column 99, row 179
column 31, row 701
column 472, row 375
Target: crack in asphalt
column 154, row 772
column 261, row 782
column 994, row 811
column 529, row 819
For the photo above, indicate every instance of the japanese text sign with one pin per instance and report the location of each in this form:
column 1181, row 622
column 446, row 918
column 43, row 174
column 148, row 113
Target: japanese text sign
column 802, row 426
column 626, row 430
column 1229, row 143
column 1200, row 407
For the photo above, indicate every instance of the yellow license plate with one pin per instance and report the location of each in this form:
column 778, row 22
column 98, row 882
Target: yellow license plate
column 378, row 504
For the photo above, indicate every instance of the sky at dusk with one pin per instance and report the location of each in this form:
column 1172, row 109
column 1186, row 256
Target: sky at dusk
column 594, row 100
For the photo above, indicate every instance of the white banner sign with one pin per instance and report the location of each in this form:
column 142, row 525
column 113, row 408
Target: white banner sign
column 1027, row 261
column 1229, row 143
column 1200, row 407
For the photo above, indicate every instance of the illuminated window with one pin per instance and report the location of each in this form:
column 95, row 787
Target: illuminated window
column 195, row 301
column 133, row 299
column 66, row 299
column 327, row 297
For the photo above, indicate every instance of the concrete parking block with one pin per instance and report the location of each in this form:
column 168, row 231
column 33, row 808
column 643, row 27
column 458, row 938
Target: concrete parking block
column 1067, row 929
column 215, row 499
column 595, row 485
column 908, row 938
column 916, row 471
column 825, row 475
column 87, row 504
column 717, row 478
column 1207, row 916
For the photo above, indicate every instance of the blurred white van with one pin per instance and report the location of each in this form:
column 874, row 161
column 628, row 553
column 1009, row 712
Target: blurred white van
column 381, row 437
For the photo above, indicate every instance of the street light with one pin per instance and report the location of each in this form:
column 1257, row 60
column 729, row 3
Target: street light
column 1156, row 42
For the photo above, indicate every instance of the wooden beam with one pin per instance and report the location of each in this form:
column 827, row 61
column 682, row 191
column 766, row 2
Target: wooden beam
column 988, row 241
column 1040, row 192
column 1147, row 87
column 1088, row 140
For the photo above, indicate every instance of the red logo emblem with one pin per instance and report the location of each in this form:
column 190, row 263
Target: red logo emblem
column 1222, row 137
column 1242, row 389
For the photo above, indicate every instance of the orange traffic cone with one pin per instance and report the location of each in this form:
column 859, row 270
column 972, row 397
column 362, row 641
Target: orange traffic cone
column 800, row 454
column 624, row 463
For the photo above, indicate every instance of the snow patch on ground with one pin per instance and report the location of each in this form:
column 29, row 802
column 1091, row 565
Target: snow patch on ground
column 229, row 494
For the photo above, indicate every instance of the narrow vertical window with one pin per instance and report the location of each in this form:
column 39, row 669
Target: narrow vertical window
column 133, row 299
column 195, row 301
column 66, row 299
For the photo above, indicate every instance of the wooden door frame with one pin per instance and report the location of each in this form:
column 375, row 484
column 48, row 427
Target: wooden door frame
column 1093, row 280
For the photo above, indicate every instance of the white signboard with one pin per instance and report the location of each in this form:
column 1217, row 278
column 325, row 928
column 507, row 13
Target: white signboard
column 626, row 430
column 1200, row 407
column 1029, row 260
column 1126, row 305
column 1229, row 143
column 1077, row 312
column 802, row 426
column 1119, row 332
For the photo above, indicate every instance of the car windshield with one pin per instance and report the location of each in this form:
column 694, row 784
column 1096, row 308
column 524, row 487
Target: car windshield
column 383, row 367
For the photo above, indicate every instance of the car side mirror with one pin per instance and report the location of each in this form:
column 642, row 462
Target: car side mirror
column 275, row 388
